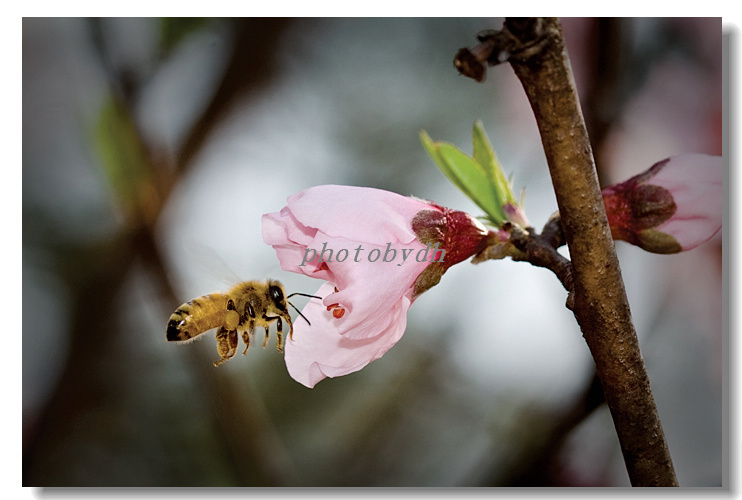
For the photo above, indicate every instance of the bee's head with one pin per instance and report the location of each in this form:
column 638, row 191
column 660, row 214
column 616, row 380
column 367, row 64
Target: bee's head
column 280, row 301
column 275, row 292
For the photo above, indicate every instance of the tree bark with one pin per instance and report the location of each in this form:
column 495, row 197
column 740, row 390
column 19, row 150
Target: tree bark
column 536, row 50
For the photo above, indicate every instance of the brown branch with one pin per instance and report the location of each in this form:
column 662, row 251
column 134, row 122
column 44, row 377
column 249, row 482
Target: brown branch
column 541, row 465
column 553, row 232
column 248, row 69
column 540, row 252
column 526, row 245
column 600, row 303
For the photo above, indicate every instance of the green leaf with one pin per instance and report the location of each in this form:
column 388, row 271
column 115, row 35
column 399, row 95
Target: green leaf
column 485, row 156
column 467, row 174
column 433, row 149
column 483, row 153
column 477, row 184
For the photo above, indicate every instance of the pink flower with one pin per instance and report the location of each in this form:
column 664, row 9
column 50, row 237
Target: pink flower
column 672, row 207
column 377, row 251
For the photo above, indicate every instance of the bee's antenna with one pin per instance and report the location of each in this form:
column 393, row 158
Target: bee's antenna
column 297, row 310
column 303, row 295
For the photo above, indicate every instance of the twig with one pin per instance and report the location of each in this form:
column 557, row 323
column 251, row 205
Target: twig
column 539, row 252
column 600, row 303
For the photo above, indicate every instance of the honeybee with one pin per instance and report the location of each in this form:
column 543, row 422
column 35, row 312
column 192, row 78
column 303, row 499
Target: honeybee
column 244, row 307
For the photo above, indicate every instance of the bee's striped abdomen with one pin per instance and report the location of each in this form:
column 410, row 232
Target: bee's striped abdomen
column 197, row 316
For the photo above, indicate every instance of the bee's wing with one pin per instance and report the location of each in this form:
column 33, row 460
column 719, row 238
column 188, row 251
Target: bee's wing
column 212, row 264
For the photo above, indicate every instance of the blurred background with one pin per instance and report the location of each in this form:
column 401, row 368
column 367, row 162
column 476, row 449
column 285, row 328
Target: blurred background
column 151, row 148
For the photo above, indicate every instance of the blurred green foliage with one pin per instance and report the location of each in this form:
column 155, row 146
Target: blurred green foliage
column 173, row 30
column 124, row 160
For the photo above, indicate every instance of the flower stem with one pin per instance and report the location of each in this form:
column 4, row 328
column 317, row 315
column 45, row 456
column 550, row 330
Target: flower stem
column 600, row 304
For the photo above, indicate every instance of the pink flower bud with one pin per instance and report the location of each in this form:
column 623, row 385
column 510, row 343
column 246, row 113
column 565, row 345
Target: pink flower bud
column 672, row 207
column 377, row 251
column 515, row 213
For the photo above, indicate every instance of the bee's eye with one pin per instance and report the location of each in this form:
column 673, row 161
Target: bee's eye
column 276, row 294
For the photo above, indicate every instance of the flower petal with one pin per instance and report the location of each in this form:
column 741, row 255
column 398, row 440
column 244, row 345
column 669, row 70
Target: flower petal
column 370, row 290
column 695, row 182
column 357, row 213
column 371, row 246
column 320, row 351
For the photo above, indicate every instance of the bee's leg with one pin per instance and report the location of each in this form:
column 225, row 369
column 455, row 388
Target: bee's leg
column 249, row 332
column 291, row 327
column 267, row 336
column 279, row 335
column 232, row 317
column 226, row 344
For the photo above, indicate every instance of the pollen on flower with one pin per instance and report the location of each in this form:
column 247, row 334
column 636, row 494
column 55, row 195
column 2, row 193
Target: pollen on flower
column 337, row 311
